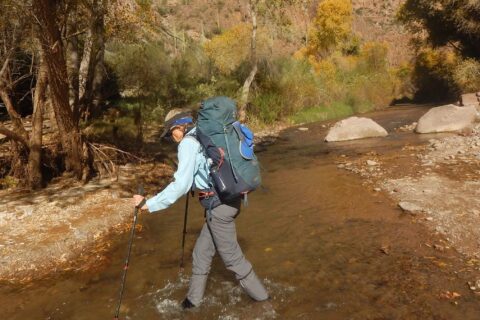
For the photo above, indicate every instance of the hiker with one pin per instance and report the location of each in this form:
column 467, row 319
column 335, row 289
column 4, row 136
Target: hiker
column 218, row 232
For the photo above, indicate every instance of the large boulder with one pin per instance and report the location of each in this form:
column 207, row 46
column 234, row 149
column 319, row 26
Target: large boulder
column 355, row 128
column 469, row 99
column 447, row 118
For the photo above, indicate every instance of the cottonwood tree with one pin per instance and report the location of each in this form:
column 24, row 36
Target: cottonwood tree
column 252, row 9
column 15, row 51
column 331, row 27
column 455, row 23
column 49, row 36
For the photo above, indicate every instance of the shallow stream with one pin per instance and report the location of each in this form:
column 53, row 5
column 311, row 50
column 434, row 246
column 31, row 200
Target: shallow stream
column 326, row 246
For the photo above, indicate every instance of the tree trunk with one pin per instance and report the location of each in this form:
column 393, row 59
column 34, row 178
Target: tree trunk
column 17, row 160
column 139, row 124
column 92, row 68
column 99, row 69
column 18, row 127
column 53, row 53
column 253, row 57
column 35, row 156
column 73, row 67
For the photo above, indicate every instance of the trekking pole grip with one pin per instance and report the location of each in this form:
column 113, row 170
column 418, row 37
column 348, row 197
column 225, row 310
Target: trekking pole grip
column 141, row 191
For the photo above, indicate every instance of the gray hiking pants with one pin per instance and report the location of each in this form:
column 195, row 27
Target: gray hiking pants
column 219, row 233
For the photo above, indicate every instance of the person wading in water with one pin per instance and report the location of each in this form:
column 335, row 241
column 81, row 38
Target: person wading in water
column 218, row 232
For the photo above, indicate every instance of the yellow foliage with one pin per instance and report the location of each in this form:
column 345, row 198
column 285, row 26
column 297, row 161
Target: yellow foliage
column 374, row 55
column 331, row 26
column 436, row 59
column 231, row 48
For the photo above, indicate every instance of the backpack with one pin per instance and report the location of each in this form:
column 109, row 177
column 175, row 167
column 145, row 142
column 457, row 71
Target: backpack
column 228, row 145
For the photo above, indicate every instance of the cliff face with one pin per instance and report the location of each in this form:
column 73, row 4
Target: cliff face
column 373, row 21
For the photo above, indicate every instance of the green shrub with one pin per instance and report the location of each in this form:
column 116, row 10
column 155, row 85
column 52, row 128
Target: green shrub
column 322, row 113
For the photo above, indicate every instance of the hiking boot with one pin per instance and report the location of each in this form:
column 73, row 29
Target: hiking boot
column 186, row 304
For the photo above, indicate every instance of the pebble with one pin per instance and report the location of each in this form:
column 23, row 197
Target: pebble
column 372, row 163
column 302, row 129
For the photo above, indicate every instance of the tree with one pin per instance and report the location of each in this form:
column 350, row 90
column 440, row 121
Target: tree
column 455, row 23
column 52, row 47
column 252, row 8
column 236, row 46
column 330, row 29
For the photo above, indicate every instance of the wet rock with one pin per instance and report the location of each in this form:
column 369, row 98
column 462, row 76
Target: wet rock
column 447, row 118
column 408, row 127
column 469, row 99
column 355, row 128
column 409, row 207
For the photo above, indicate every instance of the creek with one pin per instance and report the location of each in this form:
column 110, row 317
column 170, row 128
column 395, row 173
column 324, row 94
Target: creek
column 326, row 246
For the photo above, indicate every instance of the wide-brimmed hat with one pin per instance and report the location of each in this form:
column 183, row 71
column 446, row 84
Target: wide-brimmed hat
column 176, row 117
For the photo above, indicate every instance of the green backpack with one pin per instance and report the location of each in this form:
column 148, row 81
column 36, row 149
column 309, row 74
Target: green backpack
column 228, row 145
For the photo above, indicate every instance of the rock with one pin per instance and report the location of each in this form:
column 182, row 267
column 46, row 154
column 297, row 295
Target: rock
column 2, row 137
column 371, row 163
column 409, row 207
column 303, row 129
column 469, row 99
column 446, row 118
column 355, row 128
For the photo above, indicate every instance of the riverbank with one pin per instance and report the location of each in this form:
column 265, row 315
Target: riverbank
column 68, row 226
column 436, row 181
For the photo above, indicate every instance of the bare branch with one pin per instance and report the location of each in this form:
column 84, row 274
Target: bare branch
column 76, row 33
column 13, row 136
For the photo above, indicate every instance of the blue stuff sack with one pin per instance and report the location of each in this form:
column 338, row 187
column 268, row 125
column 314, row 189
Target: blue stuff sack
column 245, row 135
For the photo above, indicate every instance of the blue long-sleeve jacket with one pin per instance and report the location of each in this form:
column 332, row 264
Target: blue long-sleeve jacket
column 192, row 171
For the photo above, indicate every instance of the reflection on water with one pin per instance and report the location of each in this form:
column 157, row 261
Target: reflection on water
column 314, row 235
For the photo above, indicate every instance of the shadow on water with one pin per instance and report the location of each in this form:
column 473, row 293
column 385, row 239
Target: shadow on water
column 326, row 247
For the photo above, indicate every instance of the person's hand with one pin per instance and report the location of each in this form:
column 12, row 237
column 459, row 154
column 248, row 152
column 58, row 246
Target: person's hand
column 137, row 199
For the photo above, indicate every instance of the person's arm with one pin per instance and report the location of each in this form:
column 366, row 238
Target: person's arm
column 183, row 177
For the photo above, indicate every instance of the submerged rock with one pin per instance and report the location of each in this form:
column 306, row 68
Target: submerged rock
column 447, row 118
column 355, row 128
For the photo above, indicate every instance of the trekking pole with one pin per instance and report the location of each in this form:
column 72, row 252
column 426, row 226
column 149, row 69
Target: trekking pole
column 184, row 229
column 141, row 192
